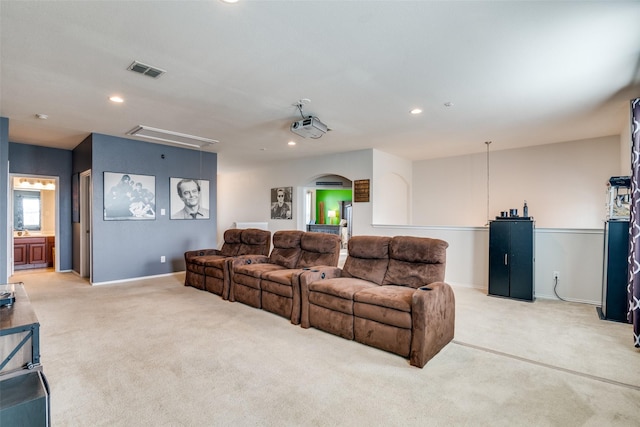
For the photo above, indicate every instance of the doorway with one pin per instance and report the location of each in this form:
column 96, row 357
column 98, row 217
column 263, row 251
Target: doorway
column 34, row 222
column 328, row 206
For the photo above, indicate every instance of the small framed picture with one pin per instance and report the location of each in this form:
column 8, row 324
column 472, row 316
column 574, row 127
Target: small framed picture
column 129, row 197
column 281, row 202
column 189, row 198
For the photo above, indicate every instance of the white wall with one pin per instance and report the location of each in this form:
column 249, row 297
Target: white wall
column 246, row 196
column 625, row 146
column 564, row 184
column 48, row 206
column 391, row 193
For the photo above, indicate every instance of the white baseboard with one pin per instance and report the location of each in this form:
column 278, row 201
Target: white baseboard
column 133, row 279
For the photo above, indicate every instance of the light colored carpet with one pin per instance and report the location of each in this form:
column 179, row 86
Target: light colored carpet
column 155, row 353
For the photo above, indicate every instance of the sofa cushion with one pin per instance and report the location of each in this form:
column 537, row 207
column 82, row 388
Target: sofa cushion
column 286, row 248
column 250, row 275
column 337, row 294
column 255, row 270
column 202, row 260
column 215, row 261
column 415, row 261
column 319, row 249
column 282, row 276
column 396, row 297
column 390, row 305
column 368, row 258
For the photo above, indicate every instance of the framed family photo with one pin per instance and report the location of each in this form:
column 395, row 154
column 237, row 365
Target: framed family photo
column 129, row 197
column 281, row 202
column 189, row 198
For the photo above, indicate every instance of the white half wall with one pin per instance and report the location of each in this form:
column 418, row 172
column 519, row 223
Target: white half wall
column 575, row 254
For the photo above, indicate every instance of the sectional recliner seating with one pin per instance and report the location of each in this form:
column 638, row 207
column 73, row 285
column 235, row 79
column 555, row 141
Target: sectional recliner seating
column 208, row 269
column 271, row 283
column 390, row 295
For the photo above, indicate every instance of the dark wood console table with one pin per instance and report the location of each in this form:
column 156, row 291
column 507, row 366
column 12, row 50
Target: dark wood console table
column 24, row 392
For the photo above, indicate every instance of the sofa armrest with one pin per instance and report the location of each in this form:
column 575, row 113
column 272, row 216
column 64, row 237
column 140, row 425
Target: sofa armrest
column 317, row 272
column 306, row 277
column 250, row 259
column 433, row 321
column 200, row 252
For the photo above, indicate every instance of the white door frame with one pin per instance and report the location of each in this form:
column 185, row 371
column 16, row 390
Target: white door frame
column 56, row 261
column 86, row 246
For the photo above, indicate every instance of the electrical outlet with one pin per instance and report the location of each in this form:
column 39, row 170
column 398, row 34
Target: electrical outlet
column 163, row 259
column 556, row 276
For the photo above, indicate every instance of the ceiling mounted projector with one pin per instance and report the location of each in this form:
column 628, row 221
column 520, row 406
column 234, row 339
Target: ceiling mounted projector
column 310, row 127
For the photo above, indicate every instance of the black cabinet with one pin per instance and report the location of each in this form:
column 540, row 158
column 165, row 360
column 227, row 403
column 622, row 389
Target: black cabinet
column 615, row 270
column 511, row 259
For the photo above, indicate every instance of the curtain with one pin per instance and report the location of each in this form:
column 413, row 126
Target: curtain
column 633, row 288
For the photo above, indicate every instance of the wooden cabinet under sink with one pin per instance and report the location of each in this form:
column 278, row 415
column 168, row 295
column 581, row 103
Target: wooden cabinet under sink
column 33, row 252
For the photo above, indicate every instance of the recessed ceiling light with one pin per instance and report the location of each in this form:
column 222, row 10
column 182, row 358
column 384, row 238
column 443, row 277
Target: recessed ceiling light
column 448, row 104
column 117, row 99
column 230, row 1
column 416, row 111
column 291, row 143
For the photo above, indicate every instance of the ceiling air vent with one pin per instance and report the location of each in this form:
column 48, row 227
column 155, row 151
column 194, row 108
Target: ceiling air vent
column 171, row 136
column 147, row 70
column 334, row 183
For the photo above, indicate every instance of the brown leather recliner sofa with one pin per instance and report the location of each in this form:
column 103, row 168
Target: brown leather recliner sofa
column 390, row 294
column 271, row 283
column 208, row 269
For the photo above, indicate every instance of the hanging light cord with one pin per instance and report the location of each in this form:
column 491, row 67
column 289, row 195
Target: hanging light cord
column 487, row 143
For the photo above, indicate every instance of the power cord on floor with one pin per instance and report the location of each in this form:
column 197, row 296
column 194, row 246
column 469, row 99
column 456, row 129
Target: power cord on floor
column 555, row 285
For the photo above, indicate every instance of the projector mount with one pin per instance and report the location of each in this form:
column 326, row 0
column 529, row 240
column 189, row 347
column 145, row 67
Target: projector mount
column 309, row 126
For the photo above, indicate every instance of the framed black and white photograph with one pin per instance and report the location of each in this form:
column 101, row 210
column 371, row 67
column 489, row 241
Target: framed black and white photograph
column 129, row 197
column 189, row 198
column 281, row 202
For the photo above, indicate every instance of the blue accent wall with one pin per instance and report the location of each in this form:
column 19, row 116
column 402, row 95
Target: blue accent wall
column 129, row 249
column 4, row 185
column 36, row 160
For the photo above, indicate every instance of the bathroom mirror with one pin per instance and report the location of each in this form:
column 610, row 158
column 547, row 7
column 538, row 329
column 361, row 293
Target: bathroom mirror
column 27, row 210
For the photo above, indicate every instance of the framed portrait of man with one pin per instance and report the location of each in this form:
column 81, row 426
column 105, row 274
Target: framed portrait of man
column 129, row 197
column 281, row 202
column 189, row 198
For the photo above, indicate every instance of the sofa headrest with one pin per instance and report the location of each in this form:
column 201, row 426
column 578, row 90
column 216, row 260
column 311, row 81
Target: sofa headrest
column 287, row 239
column 415, row 261
column 368, row 258
column 320, row 242
column 233, row 235
column 255, row 236
column 418, row 249
column 255, row 241
column 372, row 247
column 319, row 249
column 286, row 248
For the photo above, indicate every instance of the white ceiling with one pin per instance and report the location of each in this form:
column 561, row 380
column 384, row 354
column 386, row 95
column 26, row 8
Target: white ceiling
column 518, row 73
